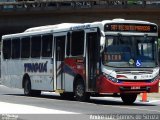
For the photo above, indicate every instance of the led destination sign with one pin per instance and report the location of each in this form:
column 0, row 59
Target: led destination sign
column 130, row 27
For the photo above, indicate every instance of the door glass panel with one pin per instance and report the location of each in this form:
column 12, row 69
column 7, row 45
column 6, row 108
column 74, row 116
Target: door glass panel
column 60, row 54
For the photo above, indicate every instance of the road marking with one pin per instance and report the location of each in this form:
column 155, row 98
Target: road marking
column 10, row 108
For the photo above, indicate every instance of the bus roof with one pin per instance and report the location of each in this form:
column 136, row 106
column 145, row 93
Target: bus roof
column 62, row 25
column 70, row 26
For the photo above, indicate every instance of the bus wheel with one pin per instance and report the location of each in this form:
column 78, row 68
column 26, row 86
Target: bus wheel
column 79, row 91
column 27, row 88
column 128, row 98
column 28, row 91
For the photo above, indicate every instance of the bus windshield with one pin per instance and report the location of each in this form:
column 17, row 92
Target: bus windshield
column 130, row 51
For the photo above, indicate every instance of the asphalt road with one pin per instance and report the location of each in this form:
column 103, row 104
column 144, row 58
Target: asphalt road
column 101, row 105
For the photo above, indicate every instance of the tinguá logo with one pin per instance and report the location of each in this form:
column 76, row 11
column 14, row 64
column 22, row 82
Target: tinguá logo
column 35, row 67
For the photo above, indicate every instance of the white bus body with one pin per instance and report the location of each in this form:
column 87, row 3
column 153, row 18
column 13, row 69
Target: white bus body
column 68, row 56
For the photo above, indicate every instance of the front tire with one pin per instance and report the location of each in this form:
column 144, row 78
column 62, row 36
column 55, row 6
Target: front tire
column 80, row 93
column 128, row 98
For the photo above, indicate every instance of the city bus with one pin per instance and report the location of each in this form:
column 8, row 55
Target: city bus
column 79, row 60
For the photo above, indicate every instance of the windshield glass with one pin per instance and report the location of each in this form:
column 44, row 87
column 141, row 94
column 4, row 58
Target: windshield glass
column 130, row 51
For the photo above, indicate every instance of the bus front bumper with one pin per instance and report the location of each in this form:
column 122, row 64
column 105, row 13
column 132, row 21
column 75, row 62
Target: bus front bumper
column 106, row 86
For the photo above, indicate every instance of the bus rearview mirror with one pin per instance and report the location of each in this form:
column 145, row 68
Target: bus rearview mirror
column 102, row 41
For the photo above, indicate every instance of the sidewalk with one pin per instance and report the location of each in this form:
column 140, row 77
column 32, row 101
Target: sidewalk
column 154, row 95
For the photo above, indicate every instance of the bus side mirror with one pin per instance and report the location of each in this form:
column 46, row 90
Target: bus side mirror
column 102, row 41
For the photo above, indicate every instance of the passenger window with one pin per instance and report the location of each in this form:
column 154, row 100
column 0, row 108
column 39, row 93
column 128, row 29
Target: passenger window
column 47, row 45
column 77, row 43
column 25, row 47
column 35, row 46
column 15, row 48
column 60, row 47
column 7, row 49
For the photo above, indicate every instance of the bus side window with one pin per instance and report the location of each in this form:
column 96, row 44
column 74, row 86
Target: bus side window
column 35, row 46
column 7, row 49
column 15, row 48
column 25, row 47
column 47, row 45
column 77, row 43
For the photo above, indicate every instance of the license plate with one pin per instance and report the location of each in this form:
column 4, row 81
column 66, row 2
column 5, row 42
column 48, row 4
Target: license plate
column 135, row 87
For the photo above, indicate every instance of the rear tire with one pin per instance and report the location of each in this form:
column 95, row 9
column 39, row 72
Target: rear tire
column 27, row 87
column 128, row 98
column 28, row 91
column 80, row 93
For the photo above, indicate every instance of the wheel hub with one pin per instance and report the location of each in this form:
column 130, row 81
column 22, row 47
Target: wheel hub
column 80, row 90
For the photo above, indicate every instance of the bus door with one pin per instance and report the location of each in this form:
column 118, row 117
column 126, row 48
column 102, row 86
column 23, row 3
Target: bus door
column 92, row 58
column 59, row 55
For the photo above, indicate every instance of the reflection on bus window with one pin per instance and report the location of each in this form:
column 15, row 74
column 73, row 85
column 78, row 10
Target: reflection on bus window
column 120, row 50
column 35, row 46
column 15, row 48
column 47, row 45
column 25, row 47
column 7, row 49
column 77, row 44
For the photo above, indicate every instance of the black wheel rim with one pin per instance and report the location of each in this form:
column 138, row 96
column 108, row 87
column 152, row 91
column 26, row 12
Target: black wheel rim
column 79, row 90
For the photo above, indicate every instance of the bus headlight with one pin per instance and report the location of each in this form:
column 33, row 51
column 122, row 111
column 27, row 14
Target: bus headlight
column 111, row 78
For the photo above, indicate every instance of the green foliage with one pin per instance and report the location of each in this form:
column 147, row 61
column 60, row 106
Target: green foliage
column 132, row 1
column 159, row 43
